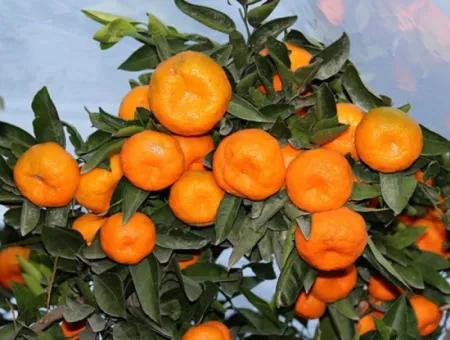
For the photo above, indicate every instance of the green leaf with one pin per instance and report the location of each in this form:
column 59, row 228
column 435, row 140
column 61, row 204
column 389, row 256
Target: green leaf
column 333, row 57
column 270, row 29
column 105, row 121
column 162, row 47
column 132, row 199
column 46, row 124
column 103, row 17
column 108, row 292
column 384, row 262
column 226, row 215
column 258, row 14
column 10, row 134
column 327, row 135
column 358, row 92
column 156, row 26
column 400, row 317
column 9, row 331
column 74, row 137
column 57, row 217
column 261, row 305
column 114, row 31
column 412, row 275
column 144, row 58
column 239, row 49
column 62, row 242
column 305, row 75
column 242, row 109
column 433, row 143
column 207, row 16
column 343, row 324
column 29, row 217
column 104, row 152
column 146, row 280
column 345, row 307
column 263, row 270
column 127, row 330
column 397, row 189
column 290, row 281
column 74, row 311
column 304, row 223
column 201, row 272
column 180, row 240
column 434, row 278
column 404, row 237
column 325, row 104
column 363, row 191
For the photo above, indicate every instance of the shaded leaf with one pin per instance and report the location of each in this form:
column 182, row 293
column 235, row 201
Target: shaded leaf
column 132, row 199
column 29, row 217
column 145, row 57
column 226, row 215
column 397, row 189
column 270, row 29
column 258, row 14
column 108, row 292
column 62, row 242
column 333, row 57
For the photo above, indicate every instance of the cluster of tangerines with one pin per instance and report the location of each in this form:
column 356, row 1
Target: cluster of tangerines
column 189, row 94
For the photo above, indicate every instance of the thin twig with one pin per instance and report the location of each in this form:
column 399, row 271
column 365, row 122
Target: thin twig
column 48, row 319
column 52, row 281
column 244, row 19
column 12, row 313
column 445, row 307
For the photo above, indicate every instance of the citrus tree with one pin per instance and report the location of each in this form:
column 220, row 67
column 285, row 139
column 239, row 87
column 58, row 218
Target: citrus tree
column 229, row 164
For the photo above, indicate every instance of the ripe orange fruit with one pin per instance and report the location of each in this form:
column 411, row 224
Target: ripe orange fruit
column 195, row 198
column 249, row 163
column 183, row 264
column 309, row 307
column 335, row 285
column 428, row 314
column 189, row 93
column 88, row 225
column 152, row 160
column 434, row 239
column 351, row 115
column 47, row 175
column 72, row 329
column 195, row 149
column 388, row 140
column 137, row 97
column 382, row 290
column 10, row 269
column 128, row 243
column 211, row 330
column 97, row 186
column 289, row 154
column 367, row 324
column 420, row 178
column 319, row 180
column 299, row 57
column 338, row 237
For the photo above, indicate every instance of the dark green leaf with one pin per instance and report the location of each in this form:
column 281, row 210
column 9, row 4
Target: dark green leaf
column 341, row 322
column 57, row 217
column 412, row 275
column 434, row 278
column 10, row 134
column 345, row 307
column 404, row 237
column 434, row 144
column 270, row 29
column 357, row 91
column 146, row 279
column 145, row 57
column 242, row 109
column 327, row 135
column 207, row 16
column 226, row 215
column 132, row 199
column 397, row 189
column 46, row 124
column 305, row 75
column 304, row 223
column 362, row 191
column 74, row 136
column 104, row 152
column 29, row 218
column 108, row 291
column 162, row 47
column 201, row 272
column 400, row 317
column 132, row 330
column 239, row 50
column 325, row 104
column 333, row 57
column 258, row 14
column 178, row 239
column 62, row 242
column 74, row 311
column 261, row 305
column 263, row 270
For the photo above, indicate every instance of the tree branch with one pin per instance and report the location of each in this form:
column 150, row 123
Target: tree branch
column 48, row 319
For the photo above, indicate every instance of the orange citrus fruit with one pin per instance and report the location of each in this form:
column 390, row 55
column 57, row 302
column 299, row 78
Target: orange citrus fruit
column 338, row 237
column 10, row 269
column 420, row 178
column 195, row 149
column 388, row 140
column 249, row 163
column 72, row 329
column 88, row 225
column 210, row 330
column 128, row 243
column 382, row 290
column 367, row 324
column 47, row 175
column 152, row 160
column 309, row 307
column 350, row 115
column 334, row 285
column 97, row 186
column 183, row 264
column 289, row 154
column 195, row 198
column 319, row 180
column 434, row 238
column 137, row 97
column 189, row 93
column 428, row 314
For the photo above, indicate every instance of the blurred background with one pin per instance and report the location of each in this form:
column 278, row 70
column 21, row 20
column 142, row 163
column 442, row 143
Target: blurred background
column 401, row 47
